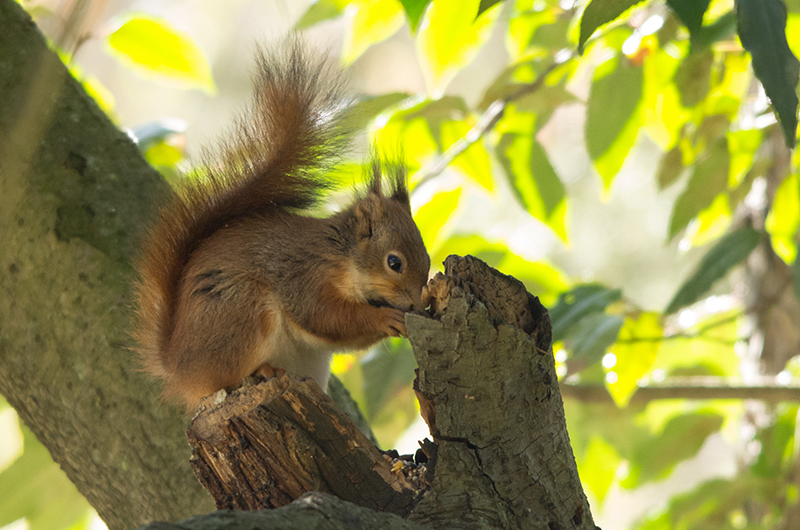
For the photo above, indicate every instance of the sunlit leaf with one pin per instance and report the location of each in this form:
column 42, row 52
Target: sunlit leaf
column 636, row 350
column 611, row 128
column 726, row 254
column 599, row 13
column 414, row 11
column 163, row 154
column 450, row 38
column 541, row 278
column 761, row 25
column 474, row 161
column 690, row 12
column 783, row 219
column 664, row 115
column 709, row 179
column 711, row 354
column 418, row 144
column 599, row 466
column 534, row 181
column 491, row 253
column 742, row 146
column 485, row 5
column 527, row 18
column 320, row 11
column 35, row 487
column 711, row 223
column 578, row 303
column 432, row 217
column 368, row 22
column 368, row 109
column 154, row 48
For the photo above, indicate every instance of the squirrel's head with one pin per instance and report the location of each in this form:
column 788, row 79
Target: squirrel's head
column 390, row 257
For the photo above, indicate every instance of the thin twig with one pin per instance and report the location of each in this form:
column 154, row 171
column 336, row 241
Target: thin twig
column 486, row 122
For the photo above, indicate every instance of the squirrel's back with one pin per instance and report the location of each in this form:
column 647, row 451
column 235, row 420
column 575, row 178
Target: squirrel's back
column 274, row 159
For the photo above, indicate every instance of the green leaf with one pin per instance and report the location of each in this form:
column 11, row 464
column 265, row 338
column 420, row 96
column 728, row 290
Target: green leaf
column 711, row 223
column 414, row 11
column 709, row 179
column 319, row 11
column 730, row 250
column 796, row 278
column 368, row 22
column 670, row 167
column 783, row 219
column 485, row 5
column 777, row 441
column 693, row 77
column 592, row 336
column 682, row 438
column 474, row 161
column 600, row 12
column 35, row 487
column 388, row 366
column 611, row 126
column 154, row 48
column 368, row 108
column 599, row 466
column 450, row 39
column 533, row 180
column 578, row 303
column 432, row 217
column 636, row 351
column 690, row 12
column 526, row 19
column 762, row 30
column 541, row 278
column 721, row 29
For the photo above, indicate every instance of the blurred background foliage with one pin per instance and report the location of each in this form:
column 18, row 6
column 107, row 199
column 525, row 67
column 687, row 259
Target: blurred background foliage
column 630, row 161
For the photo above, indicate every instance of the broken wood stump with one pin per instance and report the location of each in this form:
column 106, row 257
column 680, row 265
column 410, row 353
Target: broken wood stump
column 500, row 455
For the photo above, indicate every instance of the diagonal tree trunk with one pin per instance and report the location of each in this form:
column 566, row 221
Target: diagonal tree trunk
column 74, row 195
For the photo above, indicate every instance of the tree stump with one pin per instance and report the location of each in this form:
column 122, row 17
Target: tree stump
column 500, row 455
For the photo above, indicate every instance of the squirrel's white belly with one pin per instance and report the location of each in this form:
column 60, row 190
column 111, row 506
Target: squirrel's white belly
column 298, row 352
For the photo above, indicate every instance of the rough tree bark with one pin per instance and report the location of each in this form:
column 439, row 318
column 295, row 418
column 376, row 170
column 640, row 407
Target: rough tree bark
column 74, row 194
column 500, row 456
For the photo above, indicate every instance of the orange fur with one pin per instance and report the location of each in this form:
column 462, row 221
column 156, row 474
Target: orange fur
column 233, row 276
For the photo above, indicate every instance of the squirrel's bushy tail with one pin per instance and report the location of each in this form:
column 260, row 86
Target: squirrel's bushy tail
column 275, row 158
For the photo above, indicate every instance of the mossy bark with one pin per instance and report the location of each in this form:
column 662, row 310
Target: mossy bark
column 75, row 193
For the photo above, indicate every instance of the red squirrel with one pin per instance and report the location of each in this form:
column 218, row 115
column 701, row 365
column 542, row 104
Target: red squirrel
column 236, row 277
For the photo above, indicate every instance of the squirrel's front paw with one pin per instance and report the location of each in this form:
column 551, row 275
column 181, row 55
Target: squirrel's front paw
column 394, row 322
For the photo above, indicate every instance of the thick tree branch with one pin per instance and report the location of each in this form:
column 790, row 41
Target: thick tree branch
column 688, row 388
column 317, row 511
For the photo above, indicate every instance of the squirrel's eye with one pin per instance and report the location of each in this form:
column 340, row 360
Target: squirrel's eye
column 394, row 263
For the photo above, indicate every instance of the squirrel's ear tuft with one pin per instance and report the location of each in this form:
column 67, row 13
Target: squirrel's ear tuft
column 399, row 184
column 376, row 179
